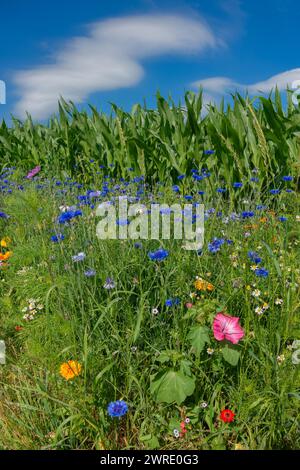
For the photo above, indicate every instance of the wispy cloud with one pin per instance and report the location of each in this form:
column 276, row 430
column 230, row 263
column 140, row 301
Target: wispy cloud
column 108, row 57
column 215, row 87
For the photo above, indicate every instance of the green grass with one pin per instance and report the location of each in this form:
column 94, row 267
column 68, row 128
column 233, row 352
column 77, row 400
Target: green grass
column 123, row 348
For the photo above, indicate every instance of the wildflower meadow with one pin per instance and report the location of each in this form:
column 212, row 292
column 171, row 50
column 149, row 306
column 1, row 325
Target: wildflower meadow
column 138, row 342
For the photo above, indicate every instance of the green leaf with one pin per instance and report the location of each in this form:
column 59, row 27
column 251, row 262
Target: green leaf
column 275, row 262
column 231, row 355
column 164, row 356
column 172, row 386
column 198, row 337
column 150, row 441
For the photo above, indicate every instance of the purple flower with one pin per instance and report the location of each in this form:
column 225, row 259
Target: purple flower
column 79, row 257
column 90, row 273
column 109, row 283
column 33, row 172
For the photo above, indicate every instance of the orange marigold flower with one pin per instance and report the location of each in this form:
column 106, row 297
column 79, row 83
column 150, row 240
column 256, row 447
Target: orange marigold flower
column 250, row 227
column 6, row 256
column 200, row 284
column 263, row 220
column 69, row 370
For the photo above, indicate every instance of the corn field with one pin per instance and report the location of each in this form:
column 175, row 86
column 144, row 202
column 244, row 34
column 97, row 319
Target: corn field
column 260, row 134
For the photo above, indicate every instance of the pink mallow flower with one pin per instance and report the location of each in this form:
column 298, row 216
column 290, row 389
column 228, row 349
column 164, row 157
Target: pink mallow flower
column 33, row 172
column 227, row 327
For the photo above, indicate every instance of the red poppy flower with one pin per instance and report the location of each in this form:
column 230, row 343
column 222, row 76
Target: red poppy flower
column 18, row 328
column 227, row 416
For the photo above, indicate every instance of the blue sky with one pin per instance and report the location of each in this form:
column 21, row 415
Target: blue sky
column 99, row 51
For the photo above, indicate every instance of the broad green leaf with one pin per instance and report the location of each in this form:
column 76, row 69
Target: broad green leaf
column 231, row 355
column 198, row 337
column 172, row 386
column 150, row 441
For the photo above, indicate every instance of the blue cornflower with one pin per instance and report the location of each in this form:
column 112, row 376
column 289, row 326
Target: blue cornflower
column 109, row 283
column 118, row 408
column 247, row 214
column 57, row 238
column 172, row 302
column 209, row 152
column 221, row 190
column 215, row 245
column 188, row 197
column 287, row 178
column 253, row 256
column 176, row 188
column 237, row 185
column 274, row 191
column 158, row 255
column 197, row 177
column 282, row 219
column 254, row 179
column 90, row 273
column 165, row 211
column 201, row 193
column 68, row 215
column 122, row 222
column 79, row 257
column 3, row 215
column 180, row 177
column 261, row 272
column 94, row 193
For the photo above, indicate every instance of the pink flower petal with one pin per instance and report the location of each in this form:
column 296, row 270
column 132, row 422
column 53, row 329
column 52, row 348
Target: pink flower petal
column 227, row 327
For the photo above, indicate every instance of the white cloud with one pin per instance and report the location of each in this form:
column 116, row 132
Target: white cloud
column 214, row 87
column 108, row 58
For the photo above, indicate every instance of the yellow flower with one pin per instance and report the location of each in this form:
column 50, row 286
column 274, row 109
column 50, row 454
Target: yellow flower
column 239, row 446
column 5, row 242
column 69, row 370
column 200, row 284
